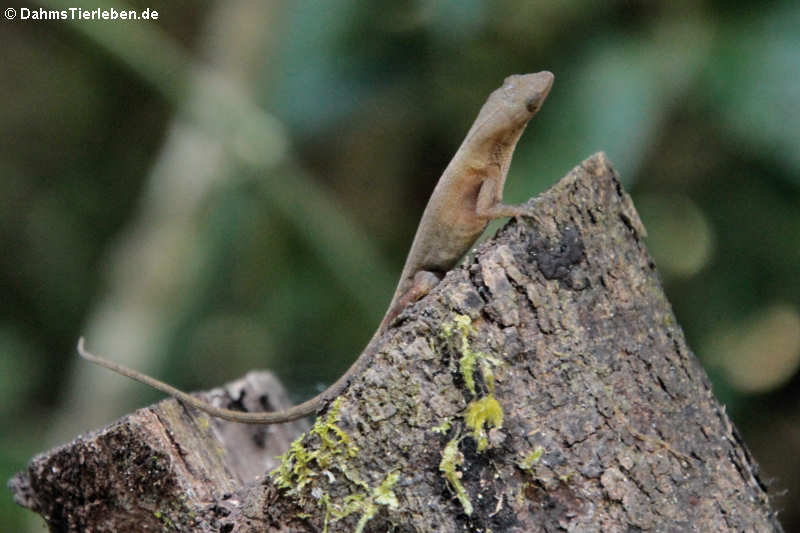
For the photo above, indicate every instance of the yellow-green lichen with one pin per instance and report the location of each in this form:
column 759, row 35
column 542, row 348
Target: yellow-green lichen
column 532, row 458
column 451, row 460
column 480, row 414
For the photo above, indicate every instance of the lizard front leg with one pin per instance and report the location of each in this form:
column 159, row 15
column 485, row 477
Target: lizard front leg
column 490, row 202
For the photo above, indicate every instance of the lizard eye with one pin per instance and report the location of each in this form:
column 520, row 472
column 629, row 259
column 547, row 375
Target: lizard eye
column 533, row 105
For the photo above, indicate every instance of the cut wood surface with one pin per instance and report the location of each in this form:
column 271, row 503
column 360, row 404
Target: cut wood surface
column 544, row 385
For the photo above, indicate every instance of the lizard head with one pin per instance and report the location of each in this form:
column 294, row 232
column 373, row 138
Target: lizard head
column 501, row 121
column 524, row 94
column 509, row 108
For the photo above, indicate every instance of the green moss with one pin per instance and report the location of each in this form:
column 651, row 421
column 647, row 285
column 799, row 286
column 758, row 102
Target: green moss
column 350, row 504
column 293, row 472
column 300, row 464
column 164, row 519
column 333, row 438
column 451, row 460
column 467, row 366
column 444, row 427
column 484, row 411
column 330, row 449
column 325, row 503
column 479, row 415
column 384, row 493
column 366, row 517
column 336, row 511
column 366, row 503
column 457, row 333
column 532, row 458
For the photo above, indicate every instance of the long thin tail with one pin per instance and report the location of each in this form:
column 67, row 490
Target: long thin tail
column 420, row 284
column 298, row 411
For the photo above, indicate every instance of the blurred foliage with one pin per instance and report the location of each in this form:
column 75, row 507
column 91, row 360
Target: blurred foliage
column 293, row 256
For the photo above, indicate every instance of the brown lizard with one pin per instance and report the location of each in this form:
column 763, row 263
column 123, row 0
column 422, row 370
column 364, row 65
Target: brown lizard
column 468, row 195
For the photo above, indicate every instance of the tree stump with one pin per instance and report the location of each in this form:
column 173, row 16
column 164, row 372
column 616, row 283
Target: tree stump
column 544, row 385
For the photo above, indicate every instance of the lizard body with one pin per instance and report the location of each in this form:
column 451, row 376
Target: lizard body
column 467, row 196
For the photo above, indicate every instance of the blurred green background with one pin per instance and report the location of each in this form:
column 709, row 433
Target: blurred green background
column 236, row 185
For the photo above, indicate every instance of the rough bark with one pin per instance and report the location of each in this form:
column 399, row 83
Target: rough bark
column 543, row 386
column 161, row 468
